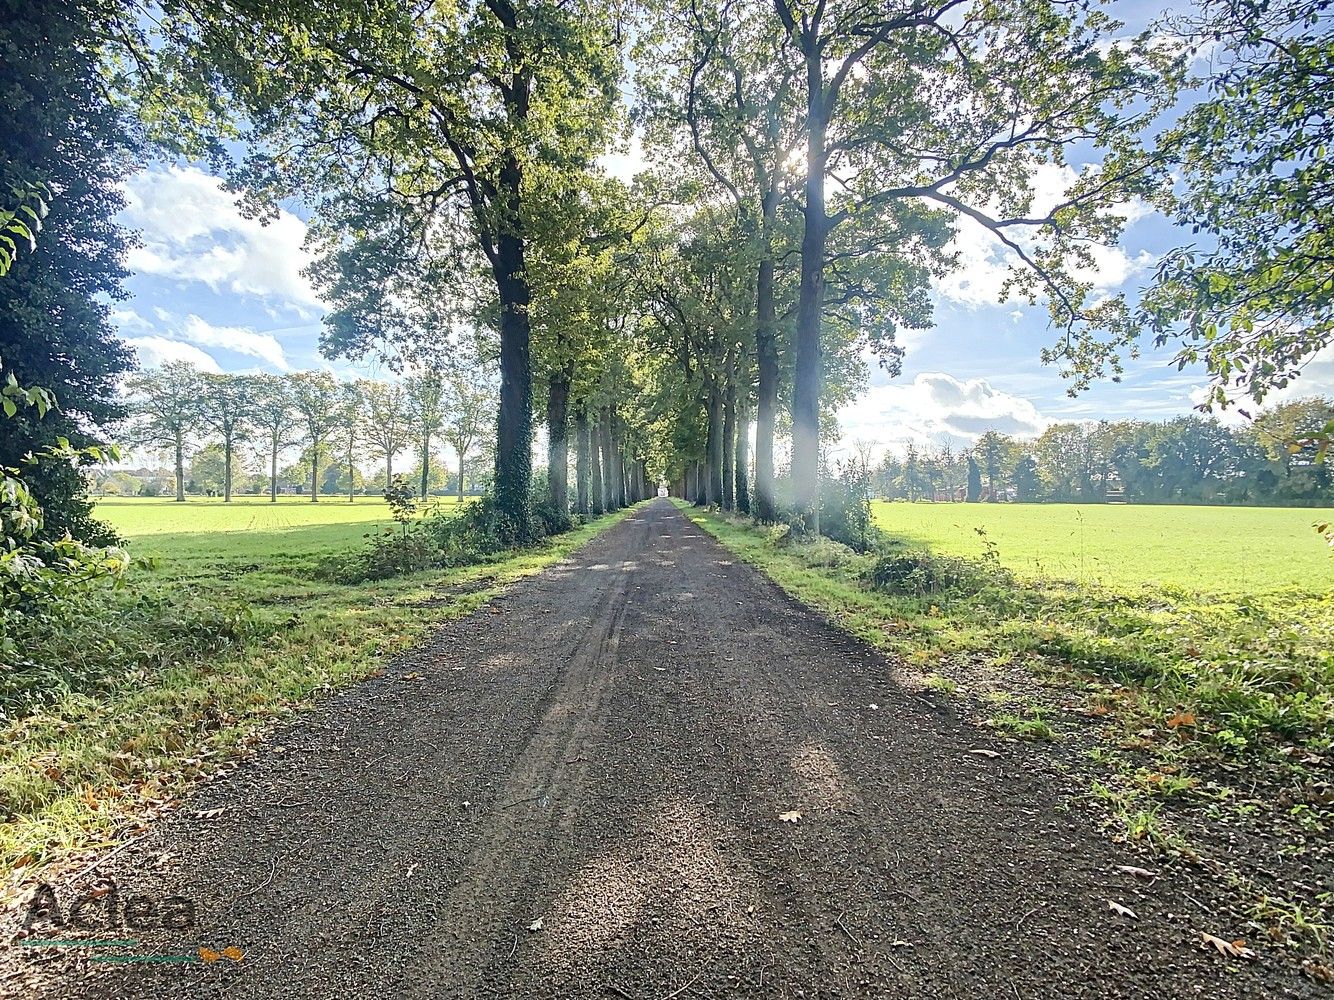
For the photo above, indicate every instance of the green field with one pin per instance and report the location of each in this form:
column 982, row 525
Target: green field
column 1232, row 550
column 205, row 530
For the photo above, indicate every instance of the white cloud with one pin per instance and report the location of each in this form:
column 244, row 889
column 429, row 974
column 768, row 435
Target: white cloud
column 193, row 231
column 185, row 339
column 157, row 351
column 128, row 319
column 935, row 406
column 242, row 340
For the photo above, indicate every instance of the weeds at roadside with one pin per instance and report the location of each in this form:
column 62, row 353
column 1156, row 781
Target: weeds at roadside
column 942, row 685
column 1030, row 727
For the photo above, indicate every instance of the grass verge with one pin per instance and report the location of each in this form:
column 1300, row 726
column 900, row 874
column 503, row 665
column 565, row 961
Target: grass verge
column 90, row 769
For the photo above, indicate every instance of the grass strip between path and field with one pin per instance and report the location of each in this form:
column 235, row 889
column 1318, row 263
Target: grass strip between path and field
column 91, row 769
column 1192, row 719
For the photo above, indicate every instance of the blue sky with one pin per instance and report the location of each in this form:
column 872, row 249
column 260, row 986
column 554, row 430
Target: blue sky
column 227, row 294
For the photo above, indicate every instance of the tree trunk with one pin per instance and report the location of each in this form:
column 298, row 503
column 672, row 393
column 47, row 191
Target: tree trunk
column 701, row 484
column 713, row 449
column 180, row 469
column 273, row 470
column 315, row 470
column 581, row 461
column 388, row 470
column 729, row 439
column 227, row 469
column 426, row 464
column 609, row 491
column 558, row 449
column 741, row 470
column 597, row 499
column 806, row 371
column 351, row 479
column 514, row 423
column 766, row 358
column 462, row 463
column 618, row 457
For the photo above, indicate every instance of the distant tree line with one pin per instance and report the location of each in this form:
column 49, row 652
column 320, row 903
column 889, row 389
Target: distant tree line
column 1273, row 459
column 226, row 433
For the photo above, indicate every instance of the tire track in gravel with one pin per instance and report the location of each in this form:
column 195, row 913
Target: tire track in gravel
column 610, row 753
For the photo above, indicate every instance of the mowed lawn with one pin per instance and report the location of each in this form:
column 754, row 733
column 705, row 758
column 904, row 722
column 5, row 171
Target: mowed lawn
column 1250, row 550
column 206, row 530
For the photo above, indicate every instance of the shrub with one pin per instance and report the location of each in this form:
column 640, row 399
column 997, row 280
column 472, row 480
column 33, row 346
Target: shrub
column 550, row 521
column 919, row 573
column 476, row 534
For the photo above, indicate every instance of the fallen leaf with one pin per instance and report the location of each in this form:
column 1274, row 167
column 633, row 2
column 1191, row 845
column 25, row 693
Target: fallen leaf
column 791, row 816
column 233, row 952
column 1137, row 872
column 1229, row 949
column 1119, row 910
column 208, row 954
column 1181, row 719
column 210, row 813
column 985, row 753
column 414, row 676
column 535, row 926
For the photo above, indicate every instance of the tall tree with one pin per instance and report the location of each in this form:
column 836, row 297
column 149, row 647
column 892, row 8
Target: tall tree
column 275, row 417
column 165, row 405
column 226, row 408
column 63, row 145
column 387, row 421
column 447, row 107
column 348, row 431
column 469, row 408
column 317, row 400
column 990, row 451
column 923, row 107
column 426, row 415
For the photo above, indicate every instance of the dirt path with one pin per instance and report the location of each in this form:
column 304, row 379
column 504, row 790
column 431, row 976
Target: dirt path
column 608, row 750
